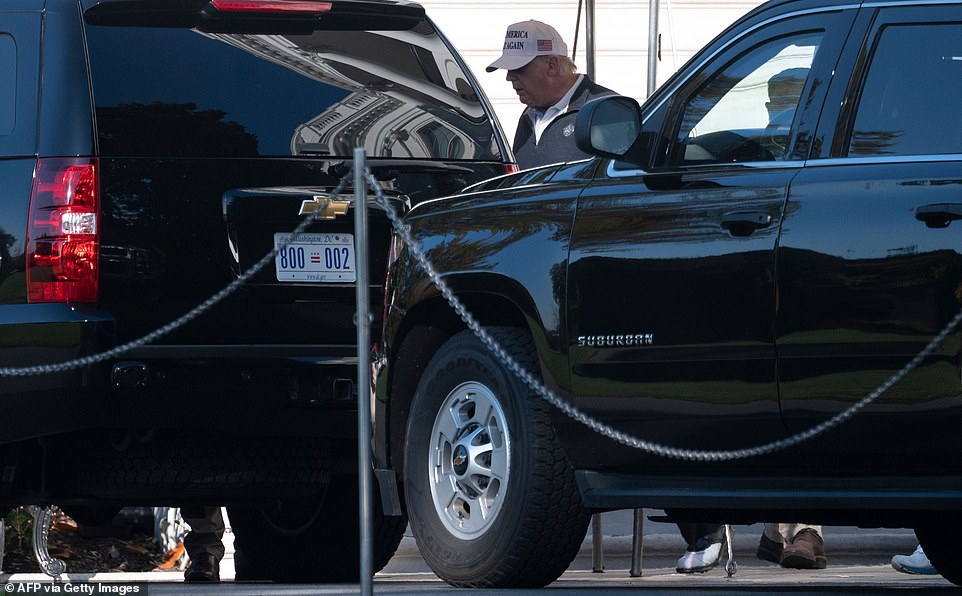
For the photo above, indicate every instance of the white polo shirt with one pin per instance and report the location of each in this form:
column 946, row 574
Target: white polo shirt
column 541, row 119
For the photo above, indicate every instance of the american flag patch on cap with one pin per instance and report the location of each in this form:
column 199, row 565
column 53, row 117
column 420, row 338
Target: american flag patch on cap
column 544, row 45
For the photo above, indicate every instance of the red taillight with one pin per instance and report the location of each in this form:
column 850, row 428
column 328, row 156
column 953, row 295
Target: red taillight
column 62, row 233
column 270, row 6
column 511, row 168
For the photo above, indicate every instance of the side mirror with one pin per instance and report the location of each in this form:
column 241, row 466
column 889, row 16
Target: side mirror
column 610, row 127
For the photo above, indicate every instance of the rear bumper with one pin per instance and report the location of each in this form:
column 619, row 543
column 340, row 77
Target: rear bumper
column 282, row 390
column 265, row 390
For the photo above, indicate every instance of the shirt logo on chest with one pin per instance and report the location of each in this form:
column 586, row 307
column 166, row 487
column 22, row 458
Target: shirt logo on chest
column 568, row 130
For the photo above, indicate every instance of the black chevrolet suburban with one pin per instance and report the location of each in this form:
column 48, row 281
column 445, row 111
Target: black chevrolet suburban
column 744, row 309
column 152, row 152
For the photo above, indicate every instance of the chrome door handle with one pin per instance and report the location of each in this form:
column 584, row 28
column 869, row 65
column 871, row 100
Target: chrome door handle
column 744, row 223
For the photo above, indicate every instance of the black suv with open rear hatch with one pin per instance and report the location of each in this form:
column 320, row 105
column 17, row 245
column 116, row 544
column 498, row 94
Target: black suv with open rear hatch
column 150, row 153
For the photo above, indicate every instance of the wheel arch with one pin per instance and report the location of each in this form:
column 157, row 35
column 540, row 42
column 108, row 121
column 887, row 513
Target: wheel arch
column 425, row 328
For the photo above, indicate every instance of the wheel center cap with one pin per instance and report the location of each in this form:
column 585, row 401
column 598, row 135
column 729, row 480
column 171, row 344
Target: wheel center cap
column 460, row 460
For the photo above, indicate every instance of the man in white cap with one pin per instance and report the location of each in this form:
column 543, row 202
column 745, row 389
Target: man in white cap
column 547, row 81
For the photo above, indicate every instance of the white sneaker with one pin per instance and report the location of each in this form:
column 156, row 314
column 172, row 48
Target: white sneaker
column 699, row 561
column 916, row 563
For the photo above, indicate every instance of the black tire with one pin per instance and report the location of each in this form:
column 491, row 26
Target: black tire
column 513, row 518
column 312, row 539
column 940, row 541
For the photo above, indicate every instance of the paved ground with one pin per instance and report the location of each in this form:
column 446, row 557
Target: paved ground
column 859, row 563
column 662, row 545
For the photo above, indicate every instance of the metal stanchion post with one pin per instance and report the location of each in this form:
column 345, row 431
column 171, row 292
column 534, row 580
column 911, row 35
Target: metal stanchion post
column 590, row 38
column 652, row 46
column 597, row 549
column 637, row 542
column 363, row 374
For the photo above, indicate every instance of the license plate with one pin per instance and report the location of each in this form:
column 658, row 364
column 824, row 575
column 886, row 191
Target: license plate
column 325, row 258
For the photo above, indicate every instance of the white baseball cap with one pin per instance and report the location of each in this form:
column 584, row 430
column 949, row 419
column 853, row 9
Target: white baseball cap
column 526, row 40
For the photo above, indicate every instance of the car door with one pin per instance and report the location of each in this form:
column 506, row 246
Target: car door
column 869, row 265
column 671, row 296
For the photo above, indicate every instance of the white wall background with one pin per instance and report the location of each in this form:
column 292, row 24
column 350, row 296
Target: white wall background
column 477, row 29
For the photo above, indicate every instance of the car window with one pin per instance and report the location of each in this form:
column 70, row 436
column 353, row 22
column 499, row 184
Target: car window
column 8, row 83
column 745, row 111
column 908, row 104
column 19, row 81
column 181, row 92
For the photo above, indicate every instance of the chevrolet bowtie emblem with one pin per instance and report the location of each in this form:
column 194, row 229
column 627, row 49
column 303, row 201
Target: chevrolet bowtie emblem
column 323, row 207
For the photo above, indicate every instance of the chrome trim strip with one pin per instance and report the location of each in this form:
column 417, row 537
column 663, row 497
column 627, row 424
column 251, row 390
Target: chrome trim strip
column 811, row 163
column 894, row 159
column 883, row 3
column 611, row 172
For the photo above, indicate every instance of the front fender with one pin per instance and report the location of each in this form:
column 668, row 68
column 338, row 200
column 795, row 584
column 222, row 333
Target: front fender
column 505, row 257
column 513, row 251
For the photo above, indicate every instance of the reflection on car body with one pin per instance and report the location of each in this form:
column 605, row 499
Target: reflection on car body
column 785, row 266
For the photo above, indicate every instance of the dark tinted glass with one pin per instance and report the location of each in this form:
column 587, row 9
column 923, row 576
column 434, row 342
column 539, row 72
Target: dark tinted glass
column 8, row 83
column 909, row 104
column 180, row 92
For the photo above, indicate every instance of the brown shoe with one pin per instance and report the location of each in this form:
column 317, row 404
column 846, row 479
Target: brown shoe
column 205, row 568
column 805, row 551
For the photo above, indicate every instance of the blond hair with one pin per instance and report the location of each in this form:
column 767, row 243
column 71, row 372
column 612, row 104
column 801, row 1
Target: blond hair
column 567, row 65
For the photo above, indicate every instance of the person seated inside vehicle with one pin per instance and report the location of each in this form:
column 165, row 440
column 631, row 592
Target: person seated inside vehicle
column 730, row 121
column 784, row 92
